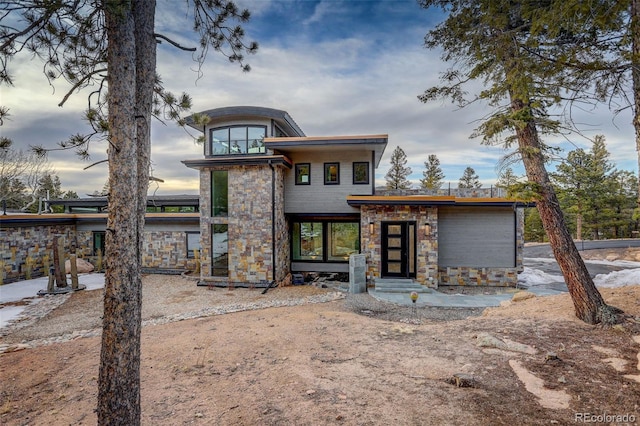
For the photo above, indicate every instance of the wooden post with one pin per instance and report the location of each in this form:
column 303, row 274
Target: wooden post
column 74, row 272
column 58, row 261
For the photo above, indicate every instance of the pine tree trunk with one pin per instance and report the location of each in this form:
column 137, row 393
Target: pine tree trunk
column 635, row 73
column 587, row 301
column 119, row 376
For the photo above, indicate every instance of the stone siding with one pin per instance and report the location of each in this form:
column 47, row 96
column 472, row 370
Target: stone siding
column 249, row 222
column 163, row 250
column 426, row 245
column 16, row 244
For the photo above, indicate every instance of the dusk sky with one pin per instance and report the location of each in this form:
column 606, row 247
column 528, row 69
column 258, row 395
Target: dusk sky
column 337, row 67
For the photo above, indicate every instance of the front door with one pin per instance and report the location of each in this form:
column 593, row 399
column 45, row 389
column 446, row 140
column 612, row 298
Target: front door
column 399, row 249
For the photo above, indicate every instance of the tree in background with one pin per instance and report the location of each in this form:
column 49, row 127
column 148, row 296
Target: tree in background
column 469, row 179
column 491, row 40
column 26, row 179
column 112, row 44
column 507, row 180
column 593, row 191
column 432, row 175
column 396, row 177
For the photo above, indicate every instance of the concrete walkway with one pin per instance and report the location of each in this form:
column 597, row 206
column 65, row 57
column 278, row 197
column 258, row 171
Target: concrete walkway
column 430, row 297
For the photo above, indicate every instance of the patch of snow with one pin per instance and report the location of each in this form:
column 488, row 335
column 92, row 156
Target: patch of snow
column 618, row 278
column 535, row 277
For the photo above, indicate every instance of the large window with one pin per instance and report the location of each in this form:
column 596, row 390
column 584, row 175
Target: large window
column 307, row 241
column 325, row 241
column 343, row 239
column 219, row 193
column 219, row 250
column 237, row 140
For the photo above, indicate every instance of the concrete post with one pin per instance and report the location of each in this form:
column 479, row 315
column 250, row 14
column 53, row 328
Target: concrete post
column 357, row 273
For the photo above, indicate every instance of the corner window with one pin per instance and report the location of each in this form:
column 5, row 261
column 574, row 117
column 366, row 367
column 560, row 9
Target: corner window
column 193, row 243
column 237, row 140
column 219, row 193
column 219, row 250
column 361, row 173
column 303, row 174
column 331, row 173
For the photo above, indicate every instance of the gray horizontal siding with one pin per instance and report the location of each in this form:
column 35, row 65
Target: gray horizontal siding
column 479, row 237
column 318, row 197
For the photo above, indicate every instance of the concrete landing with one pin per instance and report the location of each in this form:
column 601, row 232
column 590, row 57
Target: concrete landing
column 390, row 291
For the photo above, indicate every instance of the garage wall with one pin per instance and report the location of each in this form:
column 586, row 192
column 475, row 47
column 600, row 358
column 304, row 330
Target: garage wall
column 477, row 237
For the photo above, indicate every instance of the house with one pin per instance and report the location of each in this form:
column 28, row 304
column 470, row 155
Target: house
column 274, row 201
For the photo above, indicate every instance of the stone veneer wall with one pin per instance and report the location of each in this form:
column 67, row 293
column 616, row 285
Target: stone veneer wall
column 163, row 250
column 283, row 250
column 249, row 225
column 426, row 246
column 35, row 241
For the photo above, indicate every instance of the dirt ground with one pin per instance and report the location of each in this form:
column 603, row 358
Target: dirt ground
column 351, row 361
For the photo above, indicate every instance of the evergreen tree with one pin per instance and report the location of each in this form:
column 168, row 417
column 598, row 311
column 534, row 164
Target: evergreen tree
column 493, row 41
column 396, row 177
column 112, row 43
column 507, row 181
column 432, row 175
column 469, row 179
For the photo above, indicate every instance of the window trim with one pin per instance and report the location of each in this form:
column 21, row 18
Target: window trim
column 297, row 175
column 326, row 174
column 366, row 165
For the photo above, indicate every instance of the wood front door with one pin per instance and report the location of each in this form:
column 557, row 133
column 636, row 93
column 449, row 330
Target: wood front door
column 399, row 249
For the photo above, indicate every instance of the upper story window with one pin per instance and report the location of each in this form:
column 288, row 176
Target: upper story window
column 237, row 140
column 331, row 173
column 303, row 174
column 361, row 173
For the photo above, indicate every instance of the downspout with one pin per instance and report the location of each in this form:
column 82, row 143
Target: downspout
column 273, row 228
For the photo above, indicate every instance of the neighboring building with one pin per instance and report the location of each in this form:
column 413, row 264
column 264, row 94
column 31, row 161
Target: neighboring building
column 274, row 201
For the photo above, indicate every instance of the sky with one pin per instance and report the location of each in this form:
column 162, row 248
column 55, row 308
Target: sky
column 338, row 67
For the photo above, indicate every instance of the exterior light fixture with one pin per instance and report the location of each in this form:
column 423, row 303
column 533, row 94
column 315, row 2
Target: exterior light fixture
column 427, row 229
column 370, row 227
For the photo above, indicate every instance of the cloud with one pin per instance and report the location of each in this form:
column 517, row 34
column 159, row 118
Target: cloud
column 338, row 68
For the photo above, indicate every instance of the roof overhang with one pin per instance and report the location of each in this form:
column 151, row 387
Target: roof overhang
column 428, row 200
column 238, row 160
column 282, row 118
column 368, row 143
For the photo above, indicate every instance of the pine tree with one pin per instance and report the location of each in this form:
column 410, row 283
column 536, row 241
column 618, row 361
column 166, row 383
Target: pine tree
column 507, row 180
column 469, row 179
column 112, row 44
column 396, row 177
column 432, row 175
column 493, row 41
